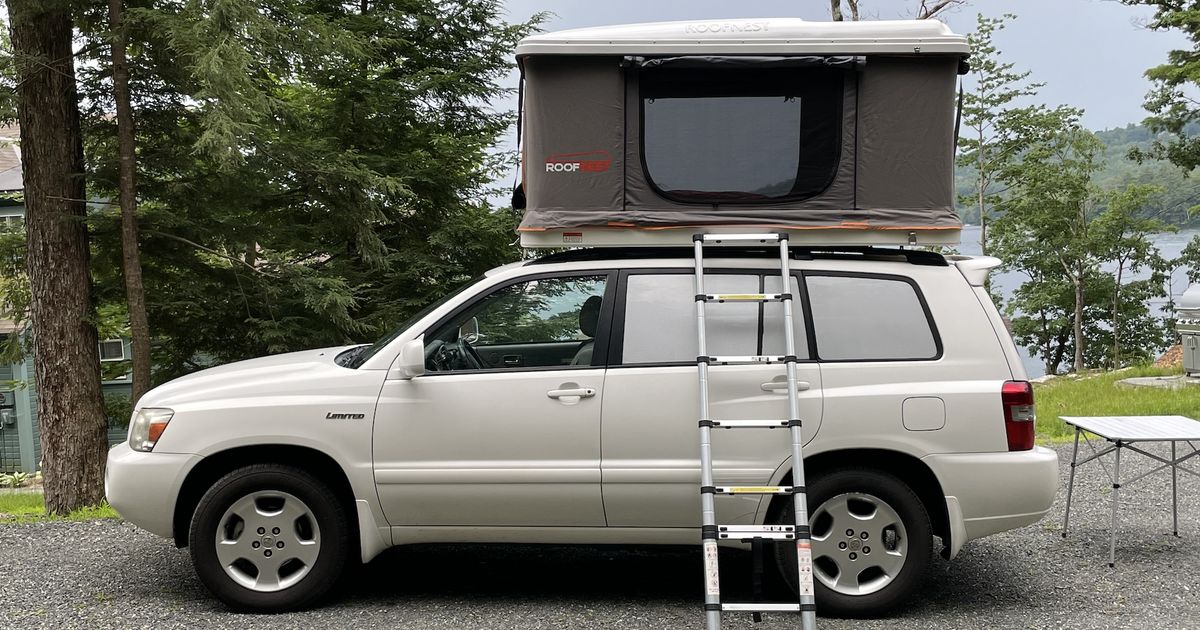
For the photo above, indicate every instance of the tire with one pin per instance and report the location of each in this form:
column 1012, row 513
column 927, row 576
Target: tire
column 891, row 561
column 296, row 557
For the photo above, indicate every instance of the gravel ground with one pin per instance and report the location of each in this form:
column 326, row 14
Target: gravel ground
column 108, row 574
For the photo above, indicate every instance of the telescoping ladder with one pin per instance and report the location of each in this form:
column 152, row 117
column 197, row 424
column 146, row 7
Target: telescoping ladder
column 711, row 532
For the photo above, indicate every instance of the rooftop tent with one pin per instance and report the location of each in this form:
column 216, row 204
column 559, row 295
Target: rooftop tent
column 840, row 133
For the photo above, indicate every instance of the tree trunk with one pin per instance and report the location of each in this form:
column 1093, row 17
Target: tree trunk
column 981, row 196
column 853, row 4
column 1078, row 362
column 135, row 292
column 1116, row 317
column 70, row 406
column 835, row 10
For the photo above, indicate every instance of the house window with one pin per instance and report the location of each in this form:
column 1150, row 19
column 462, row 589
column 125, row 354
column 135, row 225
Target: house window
column 112, row 350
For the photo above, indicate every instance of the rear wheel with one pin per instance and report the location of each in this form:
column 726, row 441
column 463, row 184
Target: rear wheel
column 872, row 542
column 269, row 538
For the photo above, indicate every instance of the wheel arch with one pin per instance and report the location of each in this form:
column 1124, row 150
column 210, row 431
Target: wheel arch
column 206, row 472
column 909, row 469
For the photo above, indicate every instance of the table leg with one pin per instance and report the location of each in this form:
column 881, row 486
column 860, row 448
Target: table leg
column 1071, row 484
column 1174, row 493
column 1116, row 491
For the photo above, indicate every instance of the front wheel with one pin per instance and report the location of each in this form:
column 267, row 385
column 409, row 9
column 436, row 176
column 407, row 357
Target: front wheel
column 269, row 538
column 871, row 542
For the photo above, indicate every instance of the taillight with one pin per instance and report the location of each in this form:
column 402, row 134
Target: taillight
column 1019, row 415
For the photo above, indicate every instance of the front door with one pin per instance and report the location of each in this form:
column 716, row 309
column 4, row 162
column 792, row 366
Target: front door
column 651, row 441
column 504, row 427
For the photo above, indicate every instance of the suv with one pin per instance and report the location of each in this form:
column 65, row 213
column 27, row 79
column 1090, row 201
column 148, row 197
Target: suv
column 555, row 401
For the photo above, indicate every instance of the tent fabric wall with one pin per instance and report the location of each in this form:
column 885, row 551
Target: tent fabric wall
column 583, row 165
column 906, row 141
column 574, row 132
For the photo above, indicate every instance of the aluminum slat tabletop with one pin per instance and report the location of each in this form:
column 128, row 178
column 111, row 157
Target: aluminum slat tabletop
column 1123, row 433
column 1138, row 428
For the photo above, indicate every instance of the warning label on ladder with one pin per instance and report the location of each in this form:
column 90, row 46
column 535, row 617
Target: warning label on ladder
column 712, row 576
column 804, row 565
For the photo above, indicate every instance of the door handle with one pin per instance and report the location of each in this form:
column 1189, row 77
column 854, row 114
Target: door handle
column 781, row 386
column 511, row 360
column 573, row 392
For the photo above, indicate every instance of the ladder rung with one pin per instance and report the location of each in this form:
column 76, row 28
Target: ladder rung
column 746, row 297
column 769, row 237
column 760, row 607
column 750, row 424
column 754, row 359
column 754, row 489
column 749, row 532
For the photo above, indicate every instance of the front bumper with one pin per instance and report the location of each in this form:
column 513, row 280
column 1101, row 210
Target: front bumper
column 987, row 493
column 143, row 487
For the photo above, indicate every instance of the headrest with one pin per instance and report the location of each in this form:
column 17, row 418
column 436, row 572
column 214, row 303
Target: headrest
column 589, row 315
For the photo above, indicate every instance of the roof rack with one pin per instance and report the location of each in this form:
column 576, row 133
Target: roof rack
column 834, row 252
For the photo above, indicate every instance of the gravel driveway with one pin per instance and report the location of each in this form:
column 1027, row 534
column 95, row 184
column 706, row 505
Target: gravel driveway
column 108, row 574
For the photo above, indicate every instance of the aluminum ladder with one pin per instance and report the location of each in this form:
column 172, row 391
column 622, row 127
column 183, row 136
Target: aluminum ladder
column 711, row 532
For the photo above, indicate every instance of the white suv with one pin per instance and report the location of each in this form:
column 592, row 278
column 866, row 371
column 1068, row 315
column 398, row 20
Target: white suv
column 555, row 401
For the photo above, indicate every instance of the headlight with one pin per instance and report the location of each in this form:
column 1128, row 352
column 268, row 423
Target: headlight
column 146, row 426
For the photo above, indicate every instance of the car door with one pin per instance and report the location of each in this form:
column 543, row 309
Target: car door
column 650, row 439
column 483, row 439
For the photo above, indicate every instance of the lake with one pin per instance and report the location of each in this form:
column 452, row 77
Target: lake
column 1169, row 245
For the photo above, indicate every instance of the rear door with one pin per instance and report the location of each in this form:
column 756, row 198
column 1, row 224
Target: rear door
column 650, row 438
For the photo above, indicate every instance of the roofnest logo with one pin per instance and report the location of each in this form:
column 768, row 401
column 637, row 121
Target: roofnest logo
column 726, row 27
column 590, row 162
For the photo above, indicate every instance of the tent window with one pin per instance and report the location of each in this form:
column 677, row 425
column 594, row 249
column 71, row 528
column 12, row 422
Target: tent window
column 741, row 136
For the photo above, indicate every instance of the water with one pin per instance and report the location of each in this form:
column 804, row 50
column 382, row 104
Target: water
column 1170, row 245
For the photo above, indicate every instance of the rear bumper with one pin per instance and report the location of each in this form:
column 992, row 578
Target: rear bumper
column 142, row 487
column 987, row 493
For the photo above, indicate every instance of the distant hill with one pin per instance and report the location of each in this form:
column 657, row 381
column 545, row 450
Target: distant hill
column 1180, row 191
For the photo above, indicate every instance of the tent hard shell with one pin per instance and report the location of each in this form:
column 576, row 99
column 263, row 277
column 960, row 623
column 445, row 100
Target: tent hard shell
column 838, row 133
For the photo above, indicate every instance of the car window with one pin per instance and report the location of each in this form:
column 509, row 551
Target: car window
column 865, row 319
column 773, row 341
column 660, row 319
column 549, row 322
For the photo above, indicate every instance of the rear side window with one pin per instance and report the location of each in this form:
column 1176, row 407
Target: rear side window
column 859, row 318
column 750, row 136
column 660, row 319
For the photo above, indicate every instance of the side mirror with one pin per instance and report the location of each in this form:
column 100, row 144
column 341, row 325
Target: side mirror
column 469, row 331
column 411, row 362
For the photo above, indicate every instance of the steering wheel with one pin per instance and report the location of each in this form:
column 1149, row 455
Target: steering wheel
column 450, row 356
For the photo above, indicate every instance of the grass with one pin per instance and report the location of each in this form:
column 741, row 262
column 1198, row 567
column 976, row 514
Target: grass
column 28, row 507
column 1099, row 395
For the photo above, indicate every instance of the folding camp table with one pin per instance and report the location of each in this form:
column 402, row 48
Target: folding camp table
column 1122, row 432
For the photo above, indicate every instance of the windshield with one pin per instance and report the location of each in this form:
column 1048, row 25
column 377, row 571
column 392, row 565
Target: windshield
column 366, row 352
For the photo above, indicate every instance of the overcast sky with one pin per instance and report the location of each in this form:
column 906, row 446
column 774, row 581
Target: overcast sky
column 1089, row 53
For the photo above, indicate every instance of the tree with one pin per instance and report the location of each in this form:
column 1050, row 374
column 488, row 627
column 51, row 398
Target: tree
column 1046, row 215
column 1075, row 243
column 926, row 9
column 70, row 409
column 131, row 264
column 991, row 142
column 308, row 175
column 1126, row 236
column 1171, row 101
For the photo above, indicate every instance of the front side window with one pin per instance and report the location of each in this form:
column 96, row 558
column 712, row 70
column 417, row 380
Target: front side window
column 745, row 136
column 869, row 319
column 549, row 322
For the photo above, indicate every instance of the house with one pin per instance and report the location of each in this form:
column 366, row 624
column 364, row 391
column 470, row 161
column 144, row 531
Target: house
column 20, row 443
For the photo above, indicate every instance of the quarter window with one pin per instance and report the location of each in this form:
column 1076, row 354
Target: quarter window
column 869, row 319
